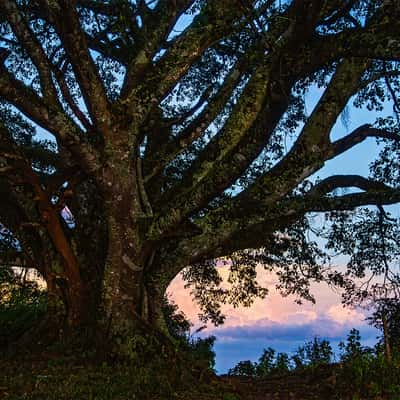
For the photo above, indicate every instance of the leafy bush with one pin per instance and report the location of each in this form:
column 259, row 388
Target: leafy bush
column 369, row 376
column 388, row 310
column 269, row 363
column 199, row 349
column 313, row 353
column 352, row 348
column 266, row 362
column 365, row 373
column 244, row 368
column 21, row 304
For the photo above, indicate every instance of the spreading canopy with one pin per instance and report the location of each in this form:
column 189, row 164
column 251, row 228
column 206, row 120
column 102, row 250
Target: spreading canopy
column 141, row 137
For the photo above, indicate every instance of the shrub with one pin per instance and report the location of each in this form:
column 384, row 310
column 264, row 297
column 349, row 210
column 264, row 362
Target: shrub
column 243, row 368
column 21, row 304
column 313, row 353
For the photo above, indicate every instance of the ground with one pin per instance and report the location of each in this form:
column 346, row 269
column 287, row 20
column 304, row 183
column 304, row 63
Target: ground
column 51, row 377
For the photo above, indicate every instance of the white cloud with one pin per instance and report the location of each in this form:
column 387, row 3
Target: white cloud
column 344, row 315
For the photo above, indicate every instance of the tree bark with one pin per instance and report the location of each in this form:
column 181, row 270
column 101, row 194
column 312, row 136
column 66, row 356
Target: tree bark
column 388, row 350
column 124, row 296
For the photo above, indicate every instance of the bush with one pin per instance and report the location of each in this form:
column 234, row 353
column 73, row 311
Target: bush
column 369, row 375
column 268, row 364
column 313, row 353
column 22, row 303
column 243, row 368
column 365, row 373
column 199, row 349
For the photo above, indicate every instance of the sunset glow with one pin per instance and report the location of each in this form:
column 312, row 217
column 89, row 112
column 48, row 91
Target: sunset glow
column 275, row 321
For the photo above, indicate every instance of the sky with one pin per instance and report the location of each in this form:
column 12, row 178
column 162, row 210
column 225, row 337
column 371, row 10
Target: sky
column 275, row 322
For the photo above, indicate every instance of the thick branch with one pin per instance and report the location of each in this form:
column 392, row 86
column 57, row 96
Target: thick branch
column 66, row 21
column 312, row 148
column 180, row 56
column 307, row 155
column 377, row 40
column 224, row 235
column 195, row 188
column 157, row 24
column 359, row 135
column 49, row 215
column 197, row 127
column 50, row 118
column 65, row 92
column 346, row 181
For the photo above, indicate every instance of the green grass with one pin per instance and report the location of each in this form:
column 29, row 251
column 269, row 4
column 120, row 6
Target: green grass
column 63, row 378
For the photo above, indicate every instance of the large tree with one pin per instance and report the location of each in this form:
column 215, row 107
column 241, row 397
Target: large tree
column 141, row 137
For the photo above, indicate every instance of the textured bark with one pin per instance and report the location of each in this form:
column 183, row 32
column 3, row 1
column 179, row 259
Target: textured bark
column 386, row 339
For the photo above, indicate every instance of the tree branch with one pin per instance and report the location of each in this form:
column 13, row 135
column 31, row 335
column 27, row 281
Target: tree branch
column 346, row 181
column 68, row 27
column 52, row 119
column 248, row 129
column 33, row 47
column 224, row 234
column 357, row 136
column 65, row 92
column 196, row 128
column 312, row 148
column 182, row 53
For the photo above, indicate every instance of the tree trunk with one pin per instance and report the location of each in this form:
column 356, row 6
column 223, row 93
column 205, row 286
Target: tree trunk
column 125, row 296
column 108, row 284
column 386, row 339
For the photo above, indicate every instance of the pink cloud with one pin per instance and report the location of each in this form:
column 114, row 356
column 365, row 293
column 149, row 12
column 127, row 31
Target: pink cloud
column 326, row 316
column 345, row 316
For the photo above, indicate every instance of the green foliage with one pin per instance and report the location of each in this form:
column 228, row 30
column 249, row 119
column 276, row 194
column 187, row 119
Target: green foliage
column 265, row 363
column 243, row 368
column 282, row 363
column 151, row 368
column 369, row 237
column 269, row 363
column 352, row 347
column 363, row 373
column 82, row 380
column 388, row 309
column 199, row 349
column 177, row 324
column 230, row 396
column 21, row 304
column 313, row 353
column 368, row 375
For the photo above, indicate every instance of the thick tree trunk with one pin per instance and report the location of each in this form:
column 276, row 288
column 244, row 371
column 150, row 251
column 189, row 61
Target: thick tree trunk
column 131, row 293
column 126, row 299
column 109, row 284
column 70, row 306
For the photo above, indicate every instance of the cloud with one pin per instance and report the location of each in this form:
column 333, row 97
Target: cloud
column 274, row 308
column 343, row 315
column 267, row 330
column 277, row 319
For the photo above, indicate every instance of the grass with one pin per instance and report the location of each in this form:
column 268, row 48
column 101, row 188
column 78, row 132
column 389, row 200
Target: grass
column 51, row 376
